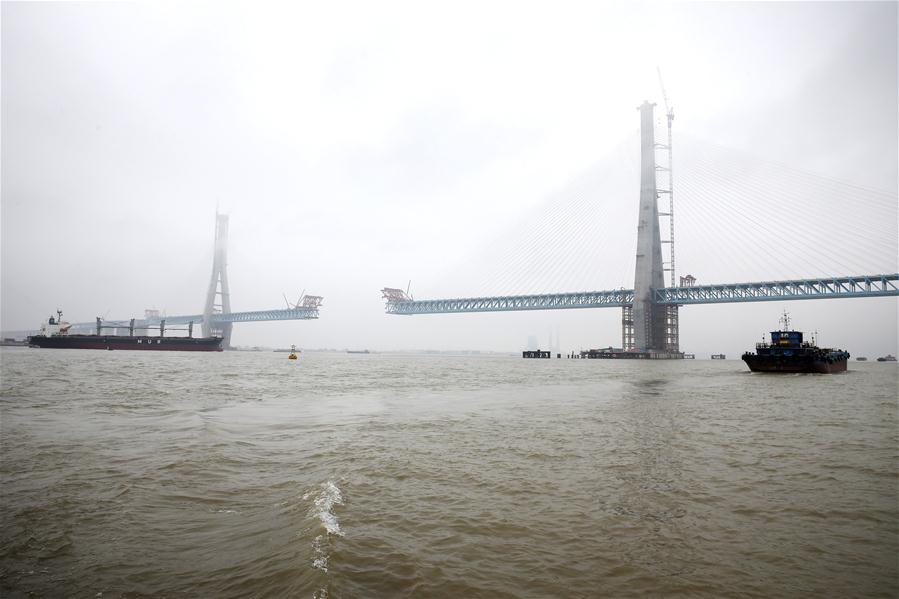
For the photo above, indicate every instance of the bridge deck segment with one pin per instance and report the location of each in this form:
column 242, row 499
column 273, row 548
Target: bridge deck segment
column 299, row 313
column 819, row 288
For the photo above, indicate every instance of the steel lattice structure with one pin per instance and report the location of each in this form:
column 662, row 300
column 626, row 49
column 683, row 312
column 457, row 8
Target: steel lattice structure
column 254, row 316
column 509, row 303
column 820, row 288
column 296, row 313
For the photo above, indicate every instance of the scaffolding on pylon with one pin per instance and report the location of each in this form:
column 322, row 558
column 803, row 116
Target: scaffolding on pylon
column 672, row 332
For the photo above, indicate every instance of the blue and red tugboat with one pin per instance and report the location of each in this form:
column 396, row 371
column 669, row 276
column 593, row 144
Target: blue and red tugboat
column 787, row 352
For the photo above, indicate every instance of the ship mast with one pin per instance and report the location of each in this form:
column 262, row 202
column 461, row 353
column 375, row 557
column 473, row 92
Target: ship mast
column 785, row 319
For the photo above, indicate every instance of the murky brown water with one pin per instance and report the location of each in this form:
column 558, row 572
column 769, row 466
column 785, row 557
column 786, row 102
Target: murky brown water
column 246, row 475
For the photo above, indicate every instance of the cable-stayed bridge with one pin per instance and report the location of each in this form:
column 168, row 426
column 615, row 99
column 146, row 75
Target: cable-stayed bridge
column 843, row 287
column 217, row 318
column 788, row 237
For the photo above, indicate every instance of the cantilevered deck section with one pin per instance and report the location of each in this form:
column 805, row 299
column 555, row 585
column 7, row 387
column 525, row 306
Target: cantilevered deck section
column 397, row 302
column 306, row 309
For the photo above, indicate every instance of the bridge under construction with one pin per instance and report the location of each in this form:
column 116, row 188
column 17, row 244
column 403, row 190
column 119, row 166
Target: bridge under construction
column 649, row 311
column 217, row 318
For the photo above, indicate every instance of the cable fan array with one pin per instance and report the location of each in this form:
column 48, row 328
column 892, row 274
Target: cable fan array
column 739, row 219
column 745, row 219
column 579, row 238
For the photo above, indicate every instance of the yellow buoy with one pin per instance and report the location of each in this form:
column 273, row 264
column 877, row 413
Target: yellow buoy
column 293, row 355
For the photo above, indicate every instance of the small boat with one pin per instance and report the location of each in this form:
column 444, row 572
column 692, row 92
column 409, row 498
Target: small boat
column 887, row 358
column 861, row 359
column 787, row 352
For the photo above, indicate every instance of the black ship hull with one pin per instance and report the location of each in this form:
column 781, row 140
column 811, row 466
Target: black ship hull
column 127, row 343
column 788, row 352
column 794, row 364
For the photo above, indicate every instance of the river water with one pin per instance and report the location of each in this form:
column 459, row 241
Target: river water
column 242, row 474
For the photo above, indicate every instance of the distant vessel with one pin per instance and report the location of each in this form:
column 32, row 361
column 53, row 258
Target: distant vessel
column 862, row 359
column 358, row 351
column 719, row 357
column 55, row 334
column 887, row 358
column 787, row 352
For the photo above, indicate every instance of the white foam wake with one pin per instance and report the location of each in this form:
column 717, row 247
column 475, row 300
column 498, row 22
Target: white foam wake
column 323, row 508
column 324, row 503
column 320, row 562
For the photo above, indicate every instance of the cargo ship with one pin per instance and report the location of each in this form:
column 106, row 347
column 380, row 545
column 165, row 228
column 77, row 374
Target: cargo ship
column 787, row 352
column 55, row 334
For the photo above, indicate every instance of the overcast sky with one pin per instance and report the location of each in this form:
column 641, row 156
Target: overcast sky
column 361, row 145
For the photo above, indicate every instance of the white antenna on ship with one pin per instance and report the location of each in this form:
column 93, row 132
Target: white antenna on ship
column 785, row 319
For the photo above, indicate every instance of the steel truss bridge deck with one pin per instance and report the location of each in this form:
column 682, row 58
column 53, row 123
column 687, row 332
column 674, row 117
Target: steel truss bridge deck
column 299, row 313
column 820, row 288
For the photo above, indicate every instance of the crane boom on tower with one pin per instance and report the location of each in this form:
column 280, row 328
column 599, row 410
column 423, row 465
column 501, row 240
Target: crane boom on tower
column 669, row 110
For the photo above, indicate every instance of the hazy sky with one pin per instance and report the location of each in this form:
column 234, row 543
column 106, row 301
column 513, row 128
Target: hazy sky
column 361, row 145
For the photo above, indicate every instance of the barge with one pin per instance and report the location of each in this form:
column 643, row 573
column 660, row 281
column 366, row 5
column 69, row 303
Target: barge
column 788, row 352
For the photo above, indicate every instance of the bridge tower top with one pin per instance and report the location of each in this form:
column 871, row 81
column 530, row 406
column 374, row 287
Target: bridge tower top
column 218, row 298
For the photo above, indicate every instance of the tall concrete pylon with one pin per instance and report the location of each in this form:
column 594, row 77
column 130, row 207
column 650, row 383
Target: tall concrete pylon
column 649, row 319
column 218, row 298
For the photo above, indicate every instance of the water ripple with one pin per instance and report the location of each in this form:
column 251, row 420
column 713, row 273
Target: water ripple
column 419, row 476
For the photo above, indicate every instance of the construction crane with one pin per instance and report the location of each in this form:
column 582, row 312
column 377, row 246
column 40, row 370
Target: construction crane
column 668, row 109
column 305, row 301
column 670, row 112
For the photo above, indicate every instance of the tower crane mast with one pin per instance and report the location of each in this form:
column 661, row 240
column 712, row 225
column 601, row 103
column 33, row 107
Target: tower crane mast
column 672, row 326
column 669, row 110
